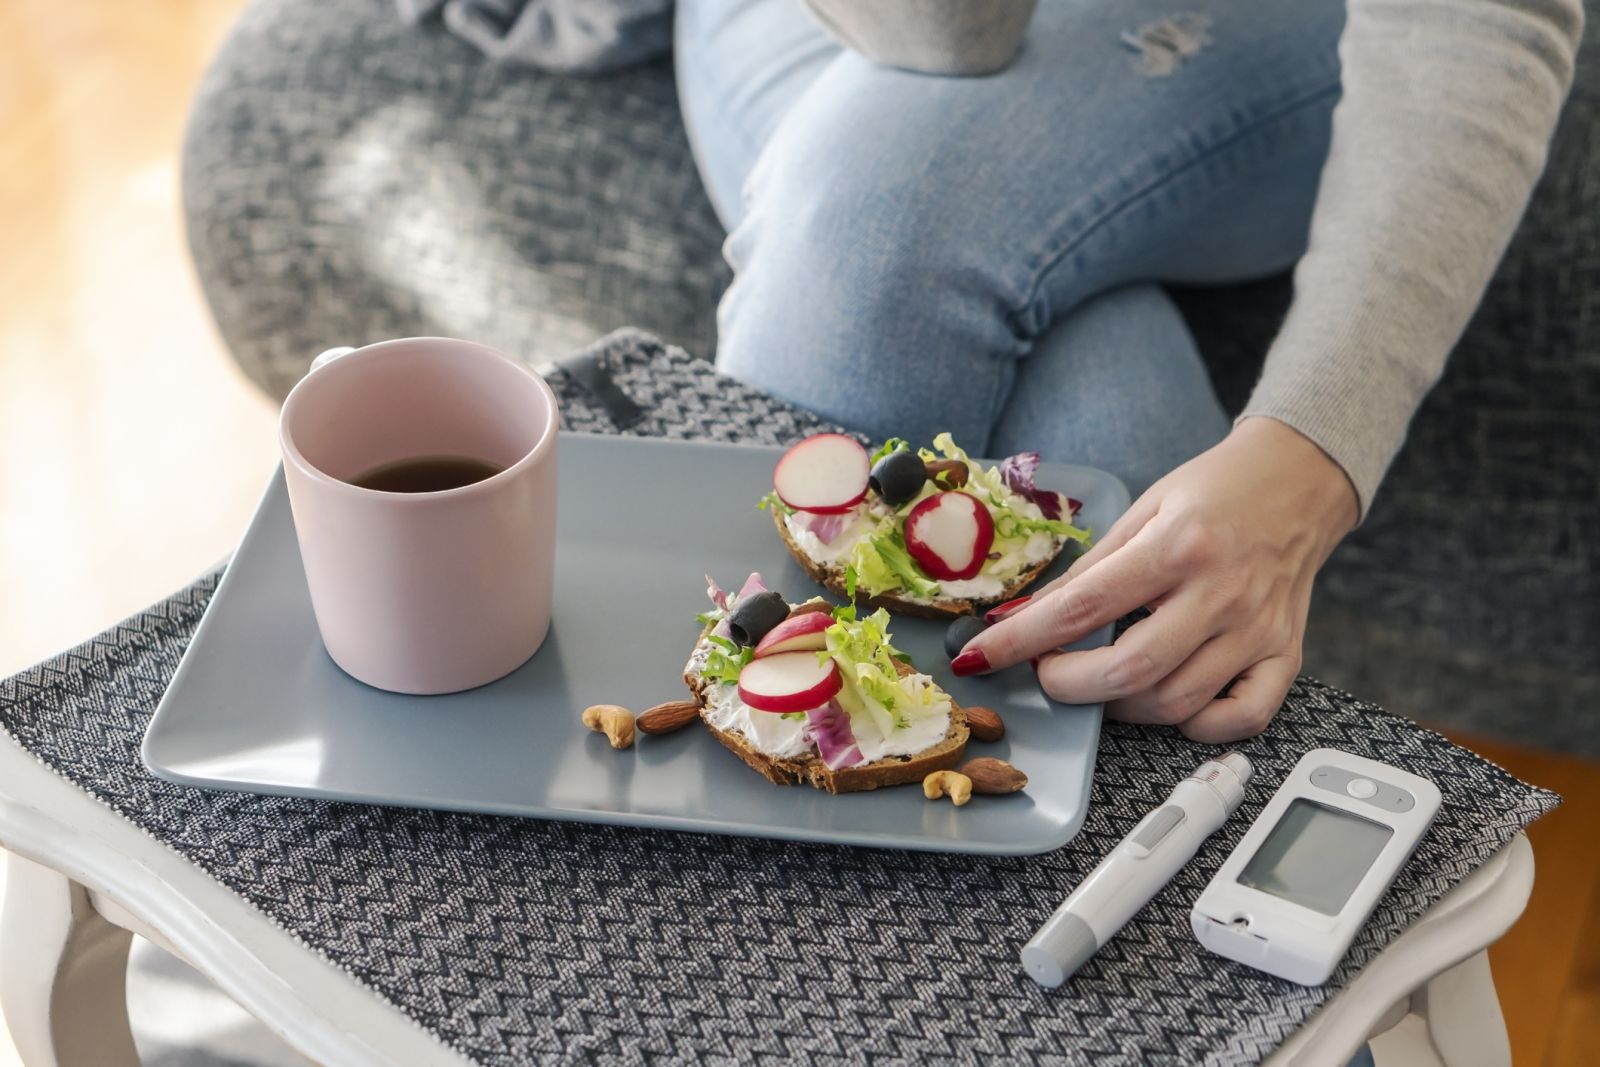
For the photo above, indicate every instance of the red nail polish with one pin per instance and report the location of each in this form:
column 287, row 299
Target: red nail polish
column 972, row 661
column 995, row 614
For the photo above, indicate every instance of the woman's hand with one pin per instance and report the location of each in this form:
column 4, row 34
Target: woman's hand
column 1223, row 550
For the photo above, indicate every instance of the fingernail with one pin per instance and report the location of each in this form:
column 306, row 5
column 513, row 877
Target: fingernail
column 995, row 614
column 972, row 661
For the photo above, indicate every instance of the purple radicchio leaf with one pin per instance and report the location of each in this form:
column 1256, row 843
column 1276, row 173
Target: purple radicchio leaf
column 715, row 592
column 826, row 527
column 828, row 727
column 1018, row 472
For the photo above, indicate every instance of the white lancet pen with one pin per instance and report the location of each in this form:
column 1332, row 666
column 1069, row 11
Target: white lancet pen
column 1136, row 870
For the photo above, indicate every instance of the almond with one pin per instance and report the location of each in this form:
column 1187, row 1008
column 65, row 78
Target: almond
column 985, row 724
column 954, row 470
column 665, row 718
column 811, row 606
column 993, row 776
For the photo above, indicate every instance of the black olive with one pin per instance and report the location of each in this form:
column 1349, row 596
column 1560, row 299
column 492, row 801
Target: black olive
column 898, row 476
column 755, row 615
column 962, row 630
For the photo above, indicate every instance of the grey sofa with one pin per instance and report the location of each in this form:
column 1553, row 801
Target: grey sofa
column 347, row 178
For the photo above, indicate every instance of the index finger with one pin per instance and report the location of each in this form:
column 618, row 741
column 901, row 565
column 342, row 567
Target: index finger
column 1128, row 578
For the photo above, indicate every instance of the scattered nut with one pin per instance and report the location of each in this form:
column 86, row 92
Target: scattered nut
column 614, row 721
column 954, row 471
column 952, row 784
column 993, row 776
column 985, row 723
column 665, row 718
column 815, row 604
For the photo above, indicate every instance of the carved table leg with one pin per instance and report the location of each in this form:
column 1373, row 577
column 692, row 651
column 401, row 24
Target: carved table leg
column 63, row 973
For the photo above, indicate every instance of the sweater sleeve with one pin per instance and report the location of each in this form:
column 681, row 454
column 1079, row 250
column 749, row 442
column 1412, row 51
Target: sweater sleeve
column 1442, row 129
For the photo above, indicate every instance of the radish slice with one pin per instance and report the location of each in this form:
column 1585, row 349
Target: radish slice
column 798, row 633
column 949, row 535
column 826, row 473
column 789, row 681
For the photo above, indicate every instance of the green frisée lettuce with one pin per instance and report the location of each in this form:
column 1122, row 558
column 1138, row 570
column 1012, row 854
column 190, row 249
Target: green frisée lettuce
column 725, row 660
column 893, row 444
column 774, row 503
column 881, row 564
column 872, row 684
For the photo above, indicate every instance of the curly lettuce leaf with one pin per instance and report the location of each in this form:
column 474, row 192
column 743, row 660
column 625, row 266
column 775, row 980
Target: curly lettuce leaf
column 725, row 661
column 881, row 564
column 774, row 503
column 893, row 444
column 872, row 683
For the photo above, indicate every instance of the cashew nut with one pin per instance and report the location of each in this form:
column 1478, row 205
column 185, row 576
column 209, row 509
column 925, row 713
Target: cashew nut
column 614, row 721
column 952, row 784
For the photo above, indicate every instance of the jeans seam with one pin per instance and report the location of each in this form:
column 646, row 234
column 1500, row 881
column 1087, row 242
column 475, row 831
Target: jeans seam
column 1051, row 259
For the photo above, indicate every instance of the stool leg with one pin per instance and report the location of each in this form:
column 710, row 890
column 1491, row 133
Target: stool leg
column 1463, row 1015
column 63, row 973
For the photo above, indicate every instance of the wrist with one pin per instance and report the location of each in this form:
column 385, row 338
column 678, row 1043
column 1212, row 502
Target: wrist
column 1317, row 482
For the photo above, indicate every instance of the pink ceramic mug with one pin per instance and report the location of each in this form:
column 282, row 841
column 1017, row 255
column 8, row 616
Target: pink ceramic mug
column 428, row 592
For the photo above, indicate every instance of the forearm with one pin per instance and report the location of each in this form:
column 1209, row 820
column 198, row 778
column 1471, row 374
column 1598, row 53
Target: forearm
column 1442, row 129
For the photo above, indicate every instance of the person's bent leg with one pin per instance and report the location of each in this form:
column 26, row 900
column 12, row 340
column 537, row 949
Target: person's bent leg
column 740, row 66
column 1116, row 384
column 906, row 240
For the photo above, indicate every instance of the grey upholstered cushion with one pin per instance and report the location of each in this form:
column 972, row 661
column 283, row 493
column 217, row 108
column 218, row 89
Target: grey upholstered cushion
column 348, row 178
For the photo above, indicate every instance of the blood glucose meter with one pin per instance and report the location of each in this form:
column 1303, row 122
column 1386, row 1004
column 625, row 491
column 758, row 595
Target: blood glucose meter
column 1309, row 871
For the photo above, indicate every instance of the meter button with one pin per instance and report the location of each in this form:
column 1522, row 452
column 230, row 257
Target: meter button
column 1362, row 788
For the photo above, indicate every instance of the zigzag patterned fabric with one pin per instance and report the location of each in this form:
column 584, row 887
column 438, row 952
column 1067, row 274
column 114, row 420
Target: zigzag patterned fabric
column 517, row 941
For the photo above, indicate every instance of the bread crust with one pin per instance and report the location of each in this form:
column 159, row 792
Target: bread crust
column 832, row 577
column 809, row 769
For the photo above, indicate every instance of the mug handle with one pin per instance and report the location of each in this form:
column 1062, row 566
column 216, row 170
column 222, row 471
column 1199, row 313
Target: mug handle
column 327, row 357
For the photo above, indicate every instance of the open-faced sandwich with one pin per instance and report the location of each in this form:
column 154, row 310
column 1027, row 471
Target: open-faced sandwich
column 921, row 532
column 813, row 694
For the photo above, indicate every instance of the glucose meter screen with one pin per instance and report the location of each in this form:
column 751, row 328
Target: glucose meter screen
column 1315, row 856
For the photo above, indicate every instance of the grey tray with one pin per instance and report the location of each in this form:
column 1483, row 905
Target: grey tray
column 257, row 705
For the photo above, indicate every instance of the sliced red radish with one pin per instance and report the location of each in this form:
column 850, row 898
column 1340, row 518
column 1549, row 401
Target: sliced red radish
column 798, row 633
column 949, row 535
column 825, row 473
column 789, row 681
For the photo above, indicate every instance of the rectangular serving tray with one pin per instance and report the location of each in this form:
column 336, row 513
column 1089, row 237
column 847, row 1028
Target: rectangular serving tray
column 257, row 705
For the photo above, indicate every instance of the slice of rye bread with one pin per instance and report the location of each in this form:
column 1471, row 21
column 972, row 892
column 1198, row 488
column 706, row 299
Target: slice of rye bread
column 832, row 576
column 810, row 770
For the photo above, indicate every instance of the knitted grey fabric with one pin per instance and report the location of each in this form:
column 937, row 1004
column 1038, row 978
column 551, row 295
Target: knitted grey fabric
column 348, row 178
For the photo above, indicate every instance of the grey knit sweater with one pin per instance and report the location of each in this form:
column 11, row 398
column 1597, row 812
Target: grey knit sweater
column 1446, row 117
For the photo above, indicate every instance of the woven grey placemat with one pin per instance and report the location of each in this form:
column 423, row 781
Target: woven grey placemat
column 518, row 941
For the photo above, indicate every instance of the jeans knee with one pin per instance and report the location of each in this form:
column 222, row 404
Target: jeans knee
column 857, row 299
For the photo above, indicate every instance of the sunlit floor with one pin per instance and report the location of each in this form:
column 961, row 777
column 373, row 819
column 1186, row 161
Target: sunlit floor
column 131, row 451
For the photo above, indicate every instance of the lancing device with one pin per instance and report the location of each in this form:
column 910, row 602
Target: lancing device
column 1136, row 870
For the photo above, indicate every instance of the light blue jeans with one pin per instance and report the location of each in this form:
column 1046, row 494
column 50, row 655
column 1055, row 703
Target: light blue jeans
column 915, row 254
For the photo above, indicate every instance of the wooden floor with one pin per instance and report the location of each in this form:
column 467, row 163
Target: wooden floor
column 131, row 451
